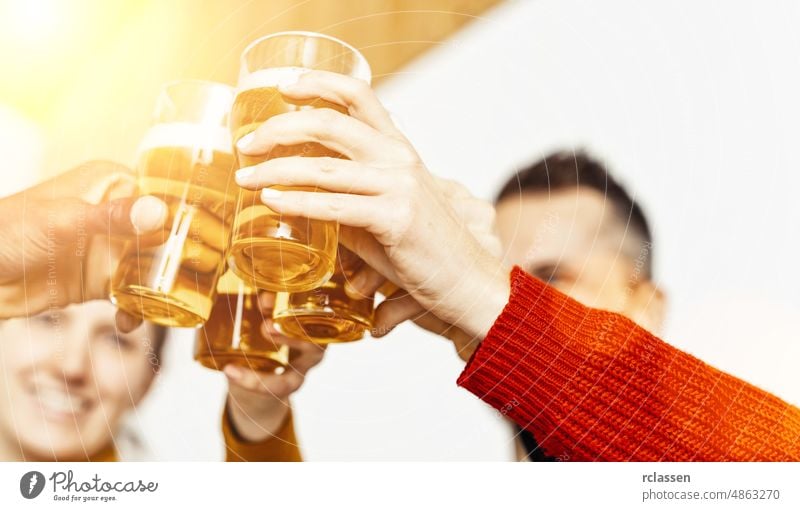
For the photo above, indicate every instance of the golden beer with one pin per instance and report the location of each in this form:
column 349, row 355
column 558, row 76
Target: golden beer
column 327, row 314
column 233, row 334
column 170, row 277
column 268, row 250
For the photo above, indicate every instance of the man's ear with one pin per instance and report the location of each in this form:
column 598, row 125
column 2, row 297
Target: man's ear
column 647, row 306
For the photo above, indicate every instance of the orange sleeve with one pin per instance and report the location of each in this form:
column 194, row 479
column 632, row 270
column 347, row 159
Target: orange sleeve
column 280, row 447
column 107, row 454
column 592, row 385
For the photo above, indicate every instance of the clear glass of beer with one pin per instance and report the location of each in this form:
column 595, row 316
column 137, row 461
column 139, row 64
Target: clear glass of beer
column 186, row 160
column 233, row 335
column 326, row 314
column 268, row 250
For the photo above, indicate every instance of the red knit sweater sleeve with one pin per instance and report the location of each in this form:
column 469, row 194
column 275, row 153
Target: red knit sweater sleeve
column 592, row 385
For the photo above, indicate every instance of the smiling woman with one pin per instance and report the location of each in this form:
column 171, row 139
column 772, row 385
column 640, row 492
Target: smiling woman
column 68, row 377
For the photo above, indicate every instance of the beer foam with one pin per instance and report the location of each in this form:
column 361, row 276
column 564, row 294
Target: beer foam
column 184, row 134
column 272, row 77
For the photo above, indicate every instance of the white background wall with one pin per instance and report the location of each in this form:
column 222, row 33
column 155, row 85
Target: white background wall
column 695, row 105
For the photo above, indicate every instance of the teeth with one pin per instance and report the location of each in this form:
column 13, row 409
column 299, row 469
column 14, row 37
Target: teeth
column 60, row 402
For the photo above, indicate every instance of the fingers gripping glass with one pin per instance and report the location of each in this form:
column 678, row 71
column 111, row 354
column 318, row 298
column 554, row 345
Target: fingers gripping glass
column 269, row 250
column 185, row 159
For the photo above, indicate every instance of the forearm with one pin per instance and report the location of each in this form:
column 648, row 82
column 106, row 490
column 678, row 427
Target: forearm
column 592, row 385
column 279, row 445
column 256, row 424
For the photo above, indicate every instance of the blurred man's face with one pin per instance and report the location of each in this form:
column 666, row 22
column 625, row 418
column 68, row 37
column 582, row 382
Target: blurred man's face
column 66, row 379
column 571, row 239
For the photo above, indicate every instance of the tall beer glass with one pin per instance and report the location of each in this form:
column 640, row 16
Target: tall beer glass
column 268, row 250
column 326, row 314
column 185, row 159
column 232, row 335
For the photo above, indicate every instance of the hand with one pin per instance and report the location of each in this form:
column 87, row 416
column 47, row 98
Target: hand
column 392, row 211
column 400, row 306
column 61, row 239
column 258, row 402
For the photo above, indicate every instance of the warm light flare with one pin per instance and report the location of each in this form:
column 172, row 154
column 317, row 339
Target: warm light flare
column 35, row 22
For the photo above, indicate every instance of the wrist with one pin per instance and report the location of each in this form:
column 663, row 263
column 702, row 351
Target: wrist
column 256, row 422
column 485, row 300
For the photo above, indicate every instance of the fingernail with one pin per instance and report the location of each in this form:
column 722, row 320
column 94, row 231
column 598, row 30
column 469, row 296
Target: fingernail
column 270, row 194
column 243, row 143
column 244, row 175
column 148, row 214
column 233, row 371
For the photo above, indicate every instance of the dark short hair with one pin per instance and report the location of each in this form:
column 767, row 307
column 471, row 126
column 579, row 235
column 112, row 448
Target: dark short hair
column 569, row 169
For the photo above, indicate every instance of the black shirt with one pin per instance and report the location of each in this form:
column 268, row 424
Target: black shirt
column 532, row 448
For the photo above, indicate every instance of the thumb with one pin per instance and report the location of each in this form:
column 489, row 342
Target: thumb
column 148, row 214
column 126, row 217
column 396, row 309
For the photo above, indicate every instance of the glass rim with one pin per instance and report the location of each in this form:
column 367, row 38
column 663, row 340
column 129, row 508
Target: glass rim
column 216, row 100
column 307, row 33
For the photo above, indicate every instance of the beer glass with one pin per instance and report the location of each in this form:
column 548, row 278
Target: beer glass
column 185, row 159
column 268, row 250
column 232, row 335
column 327, row 314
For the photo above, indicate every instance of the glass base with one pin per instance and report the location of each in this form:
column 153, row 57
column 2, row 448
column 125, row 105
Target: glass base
column 321, row 329
column 158, row 308
column 258, row 361
column 280, row 265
